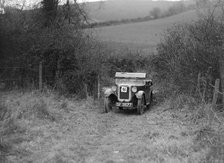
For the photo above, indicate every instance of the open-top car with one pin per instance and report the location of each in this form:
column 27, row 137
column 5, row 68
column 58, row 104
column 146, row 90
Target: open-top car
column 131, row 91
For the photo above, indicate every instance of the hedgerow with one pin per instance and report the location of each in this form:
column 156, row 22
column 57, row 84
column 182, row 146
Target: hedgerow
column 186, row 51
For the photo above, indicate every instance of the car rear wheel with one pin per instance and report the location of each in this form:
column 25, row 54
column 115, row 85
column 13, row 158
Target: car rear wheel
column 151, row 98
column 107, row 105
column 141, row 106
column 149, row 104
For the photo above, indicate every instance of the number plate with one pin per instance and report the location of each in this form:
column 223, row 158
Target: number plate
column 124, row 89
column 119, row 104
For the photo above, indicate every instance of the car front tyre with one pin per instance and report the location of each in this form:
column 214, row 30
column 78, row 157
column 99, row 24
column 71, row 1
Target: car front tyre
column 107, row 105
column 140, row 106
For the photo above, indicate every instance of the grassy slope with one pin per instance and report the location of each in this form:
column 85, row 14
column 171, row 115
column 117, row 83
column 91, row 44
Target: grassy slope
column 47, row 128
column 124, row 9
column 141, row 35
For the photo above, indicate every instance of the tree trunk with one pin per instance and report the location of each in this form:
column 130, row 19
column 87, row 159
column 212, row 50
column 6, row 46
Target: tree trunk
column 68, row 12
column 86, row 91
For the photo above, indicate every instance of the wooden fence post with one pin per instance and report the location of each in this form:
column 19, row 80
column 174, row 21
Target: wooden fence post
column 199, row 85
column 40, row 76
column 86, row 90
column 98, row 87
column 214, row 101
column 221, row 69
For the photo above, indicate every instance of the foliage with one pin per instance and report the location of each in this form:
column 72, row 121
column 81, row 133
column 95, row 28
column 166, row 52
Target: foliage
column 50, row 8
column 176, row 9
column 52, row 35
column 155, row 13
column 187, row 50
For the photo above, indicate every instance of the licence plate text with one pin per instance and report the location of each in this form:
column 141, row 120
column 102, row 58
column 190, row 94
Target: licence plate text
column 120, row 104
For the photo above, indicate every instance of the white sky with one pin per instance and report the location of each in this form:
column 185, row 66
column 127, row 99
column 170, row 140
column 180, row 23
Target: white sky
column 30, row 3
column 36, row 1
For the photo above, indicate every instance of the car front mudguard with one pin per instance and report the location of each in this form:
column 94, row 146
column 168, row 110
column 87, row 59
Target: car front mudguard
column 140, row 94
column 110, row 96
column 108, row 92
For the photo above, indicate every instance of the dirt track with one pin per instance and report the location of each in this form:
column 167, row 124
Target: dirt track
column 81, row 132
column 133, row 138
column 124, row 136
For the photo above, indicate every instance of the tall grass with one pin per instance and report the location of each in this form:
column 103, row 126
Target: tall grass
column 4, row 127
column 17, row 112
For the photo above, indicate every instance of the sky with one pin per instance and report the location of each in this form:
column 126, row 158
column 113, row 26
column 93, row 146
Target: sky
column 30, row 3
column 33, row 1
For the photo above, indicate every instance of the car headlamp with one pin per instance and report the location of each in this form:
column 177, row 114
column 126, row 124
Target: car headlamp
column 114, row 88
column 134, row 89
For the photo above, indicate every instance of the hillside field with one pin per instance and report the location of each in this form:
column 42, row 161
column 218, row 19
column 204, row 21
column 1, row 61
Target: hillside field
column 144, row 35
column 125, row 9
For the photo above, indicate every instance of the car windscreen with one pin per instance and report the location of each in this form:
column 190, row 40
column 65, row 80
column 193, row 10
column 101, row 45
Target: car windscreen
column 130, row 81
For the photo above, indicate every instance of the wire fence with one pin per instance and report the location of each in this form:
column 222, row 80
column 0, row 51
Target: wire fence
column 211, row 85
column 37, row 76
column 26, row 76
column 204, row 85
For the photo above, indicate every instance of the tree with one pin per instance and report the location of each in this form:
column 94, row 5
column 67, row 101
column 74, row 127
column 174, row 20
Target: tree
column 155, row 13
column 175, row 9
column 202, row 3
column 188, row 49
column 50, row 9
column 52, row 34
column 213, row 16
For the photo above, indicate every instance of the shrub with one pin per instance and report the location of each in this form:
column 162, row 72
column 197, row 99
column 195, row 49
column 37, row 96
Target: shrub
column 53, row 37
column 8, row 127
column 3, row 146
column 187, row 50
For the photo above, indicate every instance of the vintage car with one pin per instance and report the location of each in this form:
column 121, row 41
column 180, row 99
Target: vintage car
column 131, row 91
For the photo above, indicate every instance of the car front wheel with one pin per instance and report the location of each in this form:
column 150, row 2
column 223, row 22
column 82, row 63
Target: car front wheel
column 141, row 106
column 107, row 105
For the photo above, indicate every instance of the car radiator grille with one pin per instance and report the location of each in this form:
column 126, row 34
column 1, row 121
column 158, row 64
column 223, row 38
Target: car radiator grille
column 124, row 92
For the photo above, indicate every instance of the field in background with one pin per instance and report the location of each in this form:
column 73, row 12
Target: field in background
column 46, row 127
column 125, row 9
column 144, row 35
